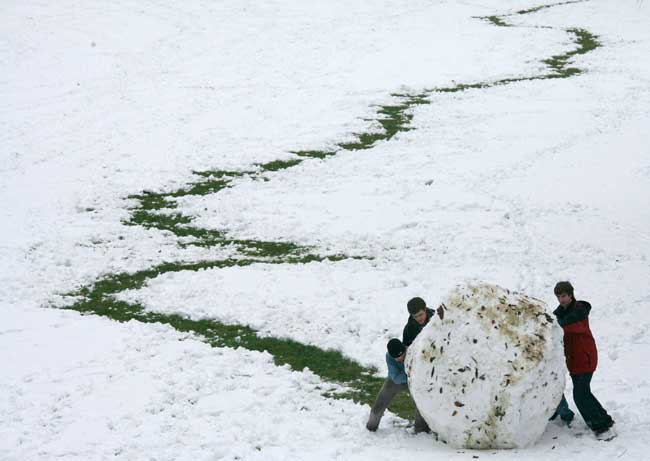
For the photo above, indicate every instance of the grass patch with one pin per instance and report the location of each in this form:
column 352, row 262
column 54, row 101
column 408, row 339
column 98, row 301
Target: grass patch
column 153, row 212
column 496, row 20
column 418, row 99
column 550, row 5
column 395, row 118
column 153, row 201
column 266, row 249
column 162, row 221
column 112, row 284
column 156, row 211
column 586, row 42
column 464, row 87
column 208, row 186
column 392, row 118
column 364, row 141
column 320, row 154
column 218, row 174
column 277, row 165
column 330, row 365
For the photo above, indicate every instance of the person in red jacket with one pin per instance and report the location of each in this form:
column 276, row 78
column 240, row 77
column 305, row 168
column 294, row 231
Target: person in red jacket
column 581, row 356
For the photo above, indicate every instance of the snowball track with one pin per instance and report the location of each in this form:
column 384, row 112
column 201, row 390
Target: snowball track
column 156, row 211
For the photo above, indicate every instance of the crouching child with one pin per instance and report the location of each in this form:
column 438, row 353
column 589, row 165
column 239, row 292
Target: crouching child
column 395, row 383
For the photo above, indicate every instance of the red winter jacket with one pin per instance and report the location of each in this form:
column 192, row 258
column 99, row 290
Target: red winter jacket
column 579, row 345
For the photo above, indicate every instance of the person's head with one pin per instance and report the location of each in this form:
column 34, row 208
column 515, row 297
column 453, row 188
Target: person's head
column 564, row 293
column 396, row 349
column 418, row 310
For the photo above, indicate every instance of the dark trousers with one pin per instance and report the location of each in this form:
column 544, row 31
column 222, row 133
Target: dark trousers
column 563, row 411
column 591, row 410
column 388, row 391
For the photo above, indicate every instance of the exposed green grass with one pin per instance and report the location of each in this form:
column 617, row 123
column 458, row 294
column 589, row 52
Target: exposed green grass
column 205, row 187
column 158, row 211
column 392, row 118
column 153, row 201
column 464, row 87
column 321, row 154
column 418, row 98
column 269, row 249
column 154, row 211
column 550, row 5
column 218, row 174
column 178, row 224
column 277, row 165
column 586, row 42
column 497, row 21
column 162, row 221
column 112, row 284
column 559, row 65
column 330, row 365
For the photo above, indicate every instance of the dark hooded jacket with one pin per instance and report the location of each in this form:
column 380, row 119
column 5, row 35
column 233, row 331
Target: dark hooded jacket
column 579, row 345
column 413, row 328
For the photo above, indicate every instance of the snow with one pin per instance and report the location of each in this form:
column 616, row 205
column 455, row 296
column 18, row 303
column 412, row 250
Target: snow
column 488, row 371
column 520, row 185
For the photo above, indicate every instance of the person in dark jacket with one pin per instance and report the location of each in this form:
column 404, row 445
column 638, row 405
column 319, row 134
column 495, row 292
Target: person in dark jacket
column 419, row 316
column 395, row 383
column 581, row 356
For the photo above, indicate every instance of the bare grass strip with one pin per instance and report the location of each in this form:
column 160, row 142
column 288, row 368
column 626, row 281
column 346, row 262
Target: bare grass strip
column 158, row 210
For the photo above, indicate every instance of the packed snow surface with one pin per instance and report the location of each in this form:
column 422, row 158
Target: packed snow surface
column 521, row 185
column 487, row 372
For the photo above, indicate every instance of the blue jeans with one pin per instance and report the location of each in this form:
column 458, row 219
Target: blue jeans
column 589, row 407
column 563, row 411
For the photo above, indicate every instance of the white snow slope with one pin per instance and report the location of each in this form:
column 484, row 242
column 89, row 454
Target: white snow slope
column 520, row 185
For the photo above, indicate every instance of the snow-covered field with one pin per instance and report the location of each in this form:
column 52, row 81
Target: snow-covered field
column 520, row 185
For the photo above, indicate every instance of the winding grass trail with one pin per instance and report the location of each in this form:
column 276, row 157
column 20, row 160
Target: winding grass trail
column 159, row 211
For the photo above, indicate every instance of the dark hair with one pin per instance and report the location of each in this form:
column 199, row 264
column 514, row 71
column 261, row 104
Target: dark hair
column 395, row 348
column 416, row 305
column 563, row 288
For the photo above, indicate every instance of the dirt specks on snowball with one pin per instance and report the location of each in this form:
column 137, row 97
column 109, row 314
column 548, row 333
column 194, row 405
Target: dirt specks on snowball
column 485, row 373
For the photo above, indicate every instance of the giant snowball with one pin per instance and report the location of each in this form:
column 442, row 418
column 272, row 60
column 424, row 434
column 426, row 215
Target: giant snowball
column 488, row 370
